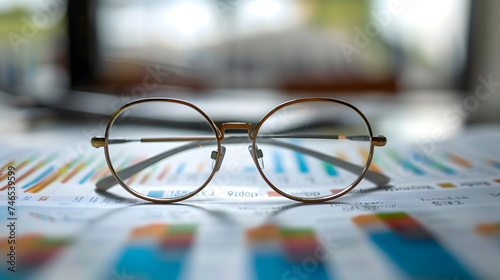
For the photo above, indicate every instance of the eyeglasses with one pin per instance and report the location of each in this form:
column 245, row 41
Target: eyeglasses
column 308, row 150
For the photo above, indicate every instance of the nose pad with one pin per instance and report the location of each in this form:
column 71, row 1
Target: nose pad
column 260, row 156
column 214, row 157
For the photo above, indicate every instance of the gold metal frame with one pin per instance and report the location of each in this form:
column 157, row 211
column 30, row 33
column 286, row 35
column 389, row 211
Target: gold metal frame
column 98, row 142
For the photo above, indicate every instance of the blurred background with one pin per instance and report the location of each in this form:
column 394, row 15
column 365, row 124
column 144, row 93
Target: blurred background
column 414, row 65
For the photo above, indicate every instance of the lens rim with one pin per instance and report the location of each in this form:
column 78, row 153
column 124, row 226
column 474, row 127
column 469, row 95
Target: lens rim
column 168, row 100
column 303, row 100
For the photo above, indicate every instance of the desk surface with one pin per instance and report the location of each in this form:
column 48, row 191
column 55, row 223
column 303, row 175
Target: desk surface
column 438, row 218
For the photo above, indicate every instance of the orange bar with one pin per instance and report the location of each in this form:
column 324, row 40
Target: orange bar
column 342, row 156
column 335, row 191
column 33, row 169
column 72, row 174
column 51, row 178
column 146, row 177
column 154, row 230
column 263, row 233
column 364, row 220
column 164, row 172
column 101, row 171
column 132, row 179
column 26, row 174
column 460, row 161
column 373, row 166
column 488, row 228
column 201, row 166
column 273, row 194
column 5, row 167
column 402, row 223
column 9, row 163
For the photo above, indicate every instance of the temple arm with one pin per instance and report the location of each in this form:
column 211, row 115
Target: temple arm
column 125, row 173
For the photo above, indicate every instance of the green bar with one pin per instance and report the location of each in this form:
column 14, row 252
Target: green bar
column 386, row 216
column 179, row 229
column 296, row 232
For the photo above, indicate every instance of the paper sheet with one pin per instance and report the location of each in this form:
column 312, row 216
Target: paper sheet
column 438, row 219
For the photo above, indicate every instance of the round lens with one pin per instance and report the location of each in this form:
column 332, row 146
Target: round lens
column 313, row 149
column 162, row 149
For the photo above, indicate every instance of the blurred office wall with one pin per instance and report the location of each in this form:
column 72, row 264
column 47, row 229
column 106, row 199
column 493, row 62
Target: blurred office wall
column 485, row 63
column 331, row 46
column 306, row 46
column 33, row 49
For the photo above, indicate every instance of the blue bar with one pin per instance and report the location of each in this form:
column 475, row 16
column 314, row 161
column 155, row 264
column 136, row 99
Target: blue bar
column 278, row 164
column 496, row 164
column 249, row 169
column 156, row 193
column 301, row 162
column 87, row 176
column 271, row 264
column 150, row 262
column 434, row 164
column 420, row 258
column 405, row 163
column 329, row 169
column 40, row 177
column 181, row 168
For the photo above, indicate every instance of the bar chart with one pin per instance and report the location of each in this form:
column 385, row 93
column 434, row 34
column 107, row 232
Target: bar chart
column 411, row 246
column 50, row 174
column 281, row 253
column 156, row 250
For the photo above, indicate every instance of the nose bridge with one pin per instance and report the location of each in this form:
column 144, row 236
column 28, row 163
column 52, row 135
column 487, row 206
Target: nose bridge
column 236, row 126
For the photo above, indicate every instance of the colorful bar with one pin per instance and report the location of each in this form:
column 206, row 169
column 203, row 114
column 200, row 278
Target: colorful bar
column 433, row 164
column 102, row 172
column 405, row 163
column 488, row 229
column 494, row 163
column 181, row 168
column 9, row 163
column 278, row 164
column 33, row 169
column 40, row 177
column 164, row 172
column 101, row 169
column 33, row 252
column 276, row 251
column 157, row 251
column 446, row 185
column 18, row 167
column 91, row 173
column 201, row 167
column 373, row 166
column 51, row 178
column 148, row 175
column 341, row 155
column 301, row 162
column 411, row 246
column 249, row 169
column 156, row 194
column 329, row 169
column 273, row 194
column 132, row 179
column 459, row 160
column 336, row 191
column 77, row 169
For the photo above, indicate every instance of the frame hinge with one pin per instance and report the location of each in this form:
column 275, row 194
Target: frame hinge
column 379, row 140
column 98, row 142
